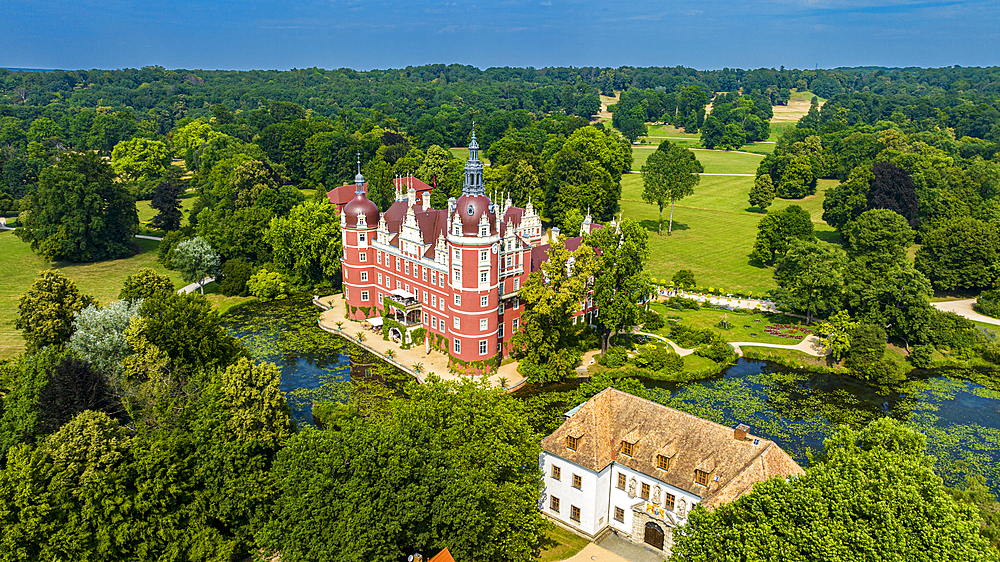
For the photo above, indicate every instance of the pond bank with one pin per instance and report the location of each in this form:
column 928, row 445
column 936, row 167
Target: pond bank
column 430, row 361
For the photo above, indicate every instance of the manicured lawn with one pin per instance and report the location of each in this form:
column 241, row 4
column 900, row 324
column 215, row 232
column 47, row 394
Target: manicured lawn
column 560, row 544
column 713, row 229
column 103, row 280
column 220, row 302
column 714, row 161
column 146, row 212
column 709, row 318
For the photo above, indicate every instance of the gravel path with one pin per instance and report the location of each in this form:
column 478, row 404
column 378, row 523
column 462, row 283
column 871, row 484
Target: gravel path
column 964, row 308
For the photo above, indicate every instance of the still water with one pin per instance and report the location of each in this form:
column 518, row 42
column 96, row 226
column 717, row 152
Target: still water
column 960, row 417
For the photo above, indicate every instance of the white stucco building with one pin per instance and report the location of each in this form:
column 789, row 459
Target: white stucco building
column 625, row 463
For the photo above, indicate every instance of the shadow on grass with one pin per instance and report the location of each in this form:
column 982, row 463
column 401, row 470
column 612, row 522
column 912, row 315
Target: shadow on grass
column 653, row 226
column 758, row 210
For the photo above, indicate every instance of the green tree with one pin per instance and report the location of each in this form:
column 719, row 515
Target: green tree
column 235, row 275
column 846, row 201
column 267, row 285
column 684, row 279
column 874, row 492
column 79, row 212
column 88, row 445
column 307, row 244
column 797, row 180
column 46, row 311
column 196, row 260
column 99, row 335
column 140, row 159
column 25, row 377
column 167, row 202
column 670, row 173
column 546, row 344
column 464, row 459
column 776, row 230
column 835, row 333
column 960, row 254
column 143, row 284
column 620, row 283
column 442, row 170
column 762, row 193
column 879, row 236
column 811, row 277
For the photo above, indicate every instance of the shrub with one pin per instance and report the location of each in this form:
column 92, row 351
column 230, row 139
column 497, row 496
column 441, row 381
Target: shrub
column 684, row 279
column 267, row 285
column 988, row 303
column 882, row 370
column 612, row 358
column 718, row 351
column 867, row 344
column 143, row 284
column 652, row 321
column 947, row 329
column 235, row 275
column 991, row 353
column 657, row 358
column 920, row 355
column 681, row 303
column 688, row 337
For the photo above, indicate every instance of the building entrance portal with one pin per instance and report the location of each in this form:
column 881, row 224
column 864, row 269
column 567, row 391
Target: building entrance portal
column 654, row 536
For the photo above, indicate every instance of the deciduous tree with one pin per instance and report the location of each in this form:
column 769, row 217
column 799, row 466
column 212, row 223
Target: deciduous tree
column 762, row 192
column 620, row 283
column 140, row 159
column 45, row 312
column 811, row 277
column 79, row 212
column 143, row 284
column 196, row 260
column 99, row 335
column 307, row 243
column 669, row 174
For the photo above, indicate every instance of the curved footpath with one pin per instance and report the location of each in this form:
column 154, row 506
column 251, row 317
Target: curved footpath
column 3, row 224
column 964, row 308
column 809, row 345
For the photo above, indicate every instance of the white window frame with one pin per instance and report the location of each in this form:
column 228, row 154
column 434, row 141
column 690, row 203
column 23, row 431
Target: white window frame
column 483, row 300
column 364, row 275
column 458, row 299
column 456, row 323
column 362, row 256
column 483, row 347
column 457, row 345
column 483, row 324
column 364, row 296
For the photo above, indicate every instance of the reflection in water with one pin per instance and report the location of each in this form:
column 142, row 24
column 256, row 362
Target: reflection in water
column 797, row 410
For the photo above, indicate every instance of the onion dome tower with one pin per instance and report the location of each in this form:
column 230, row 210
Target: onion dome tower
column 358, row 223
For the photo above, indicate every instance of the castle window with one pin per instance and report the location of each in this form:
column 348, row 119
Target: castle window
column 554, row 504
column 500, row 307
column 668, row 501
column 500, row 326
column 458, row 254
column 399, row 285
column 378, row 258
column 441, row 280
column 514, row 326
column 482, row 347
column 577, row 481
column 619, row 515
column 362, row 256
column 434, row 278
column 483, row 276
column 455, row 322
column 406, row 268
column 364, row 295
column 662, row 462
column 364, row 275
column 644, row 491
column 484, row 230
column 424, row 273
column 441, row 303
column 380, row 298
column 627, row 448
column 434, row 301
column 701, row 477
column 572, row 442
column 483, row 255
column 458, row 345
column 483, row 300
column 458, row 276
column 458, row 300
column 397, row 264
column 380, row 278
column 434, row 323
column 361, row 237
column 425, row 298
column 556, row 472
column 425, row 318
column 621, row 480
column 517, row 284
column 483, row 323
column 508, row 261
column 574, row 513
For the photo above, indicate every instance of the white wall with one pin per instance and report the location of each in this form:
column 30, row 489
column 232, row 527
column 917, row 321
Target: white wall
column 599, row 494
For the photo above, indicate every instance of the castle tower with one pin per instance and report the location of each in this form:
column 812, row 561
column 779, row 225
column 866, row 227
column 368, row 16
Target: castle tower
column 359, row 221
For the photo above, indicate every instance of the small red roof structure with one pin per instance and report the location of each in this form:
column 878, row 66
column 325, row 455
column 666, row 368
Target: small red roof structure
column 341, row 195
column 443, row 556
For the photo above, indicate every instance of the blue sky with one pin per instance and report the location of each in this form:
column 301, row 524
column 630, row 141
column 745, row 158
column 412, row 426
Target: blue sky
column 365, row 34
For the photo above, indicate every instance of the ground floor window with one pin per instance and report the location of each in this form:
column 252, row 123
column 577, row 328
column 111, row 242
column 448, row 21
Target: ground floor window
column 574, row 513
column 554, row 504
column 364, row 295
column 458, row 345
column 482, row 347
column 434, row 323
column 619, row 515
column 380, row 298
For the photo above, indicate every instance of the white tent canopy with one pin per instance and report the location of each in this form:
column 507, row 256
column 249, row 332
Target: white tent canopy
column 402, row 294
column 375, row 321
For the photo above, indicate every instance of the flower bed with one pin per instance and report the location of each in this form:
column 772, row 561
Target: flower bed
column 788, row 331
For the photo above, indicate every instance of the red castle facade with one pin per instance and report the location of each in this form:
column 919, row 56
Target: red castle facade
column 455, row 272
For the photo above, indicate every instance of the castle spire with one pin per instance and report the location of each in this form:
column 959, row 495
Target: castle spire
column 473, row 169
column 359, row 180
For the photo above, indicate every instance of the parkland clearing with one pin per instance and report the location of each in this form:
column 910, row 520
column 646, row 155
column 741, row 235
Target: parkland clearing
column 585, row 318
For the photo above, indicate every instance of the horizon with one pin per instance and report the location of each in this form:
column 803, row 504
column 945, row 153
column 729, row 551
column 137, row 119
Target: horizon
column 267, row 34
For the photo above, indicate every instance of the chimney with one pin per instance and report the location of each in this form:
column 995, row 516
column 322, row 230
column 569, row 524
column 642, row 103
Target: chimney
column 740, row 433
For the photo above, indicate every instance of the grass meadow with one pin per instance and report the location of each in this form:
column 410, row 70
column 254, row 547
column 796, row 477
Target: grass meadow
column 103, row 280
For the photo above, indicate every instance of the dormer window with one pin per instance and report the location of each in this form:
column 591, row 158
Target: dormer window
column 572, row 442
column 662, row 462
column 627, row 448
column 484, row 230
column 701, row 477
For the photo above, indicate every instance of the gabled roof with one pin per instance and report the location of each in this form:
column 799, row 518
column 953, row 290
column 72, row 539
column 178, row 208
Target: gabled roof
column 340, row 195
column 612, row 416
column 540, row 254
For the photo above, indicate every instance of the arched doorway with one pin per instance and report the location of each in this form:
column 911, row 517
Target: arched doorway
column 654, row 535
column 395, row 335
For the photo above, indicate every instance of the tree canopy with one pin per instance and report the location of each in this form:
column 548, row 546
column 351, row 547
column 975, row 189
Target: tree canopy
column 670, row 173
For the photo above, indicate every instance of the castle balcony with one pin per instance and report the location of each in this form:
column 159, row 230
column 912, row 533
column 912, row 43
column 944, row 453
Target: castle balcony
column 406, row 307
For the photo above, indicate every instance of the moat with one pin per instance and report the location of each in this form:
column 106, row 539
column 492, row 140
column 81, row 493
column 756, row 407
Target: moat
column 798, row 410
